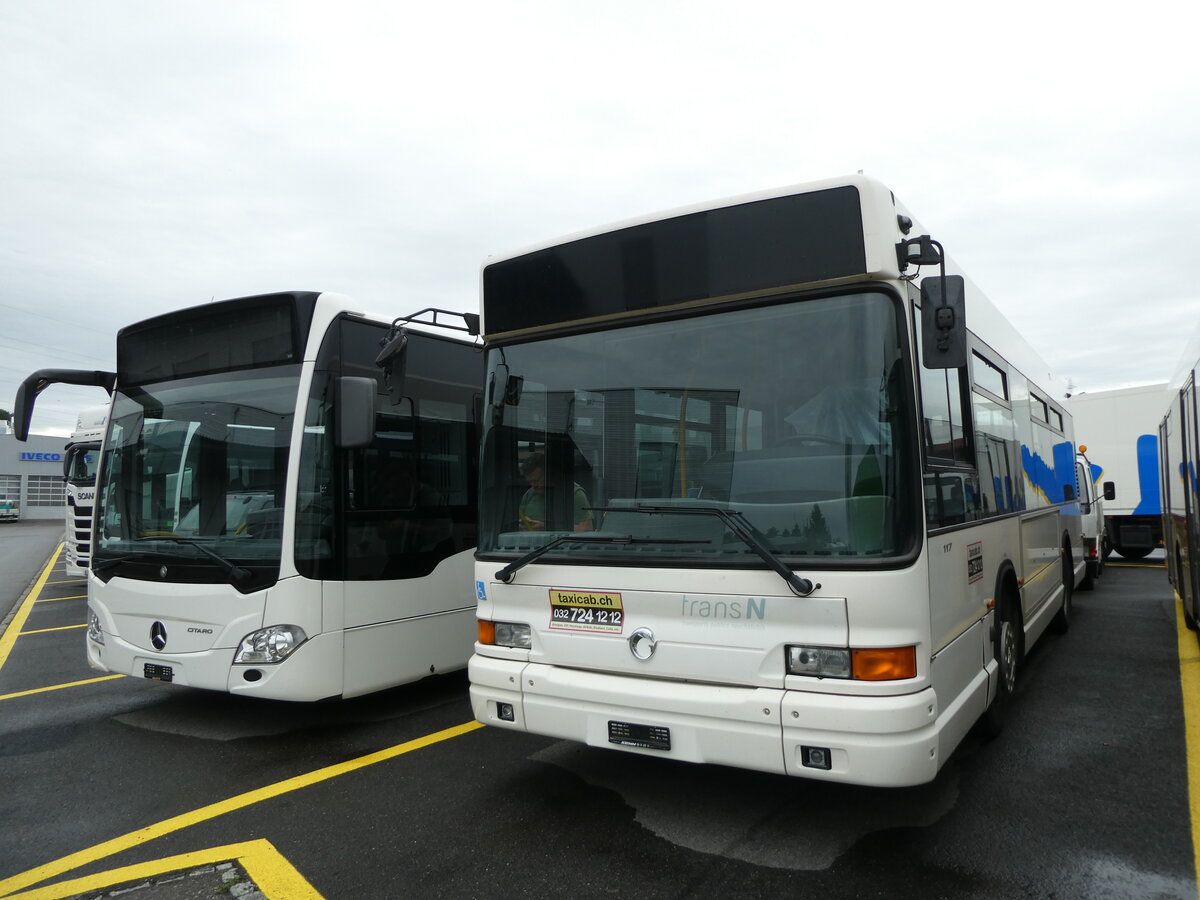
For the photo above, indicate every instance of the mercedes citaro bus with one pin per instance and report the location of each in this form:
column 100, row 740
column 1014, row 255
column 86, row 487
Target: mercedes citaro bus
column 274, row 515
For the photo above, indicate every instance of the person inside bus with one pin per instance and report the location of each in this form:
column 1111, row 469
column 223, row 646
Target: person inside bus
column 532, row 509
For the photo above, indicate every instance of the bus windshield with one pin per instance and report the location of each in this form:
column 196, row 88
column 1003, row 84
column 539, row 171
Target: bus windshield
column 793, row 417
column 193, row 472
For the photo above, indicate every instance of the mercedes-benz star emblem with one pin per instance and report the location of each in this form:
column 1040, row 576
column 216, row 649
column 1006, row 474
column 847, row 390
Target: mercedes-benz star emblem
column 158, row 635
column 642, row 643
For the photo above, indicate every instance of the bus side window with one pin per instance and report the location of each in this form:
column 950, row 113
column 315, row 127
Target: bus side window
column 951, row 498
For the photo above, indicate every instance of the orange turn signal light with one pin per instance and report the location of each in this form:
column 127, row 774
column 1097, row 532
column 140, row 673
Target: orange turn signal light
column 487, row 631
column 883, row 663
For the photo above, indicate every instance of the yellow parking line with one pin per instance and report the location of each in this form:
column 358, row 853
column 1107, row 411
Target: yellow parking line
column 47, row 630
column 1189, row 677
column 9, row 638
column 56, row 599
column 59, row 687
column 213, row 810
column 270, row 871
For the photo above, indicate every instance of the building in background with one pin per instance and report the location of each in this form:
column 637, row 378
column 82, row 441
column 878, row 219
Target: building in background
column 32, row 472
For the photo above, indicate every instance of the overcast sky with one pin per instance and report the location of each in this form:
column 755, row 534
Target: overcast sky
column 155, row 155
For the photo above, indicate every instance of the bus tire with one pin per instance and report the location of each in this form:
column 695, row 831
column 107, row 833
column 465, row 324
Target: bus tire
column 1089, row 578
column 1006, row 646
column 1062, row 619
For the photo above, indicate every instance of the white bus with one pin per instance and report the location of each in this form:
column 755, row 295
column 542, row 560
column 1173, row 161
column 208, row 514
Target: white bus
column 80, row 459
column 751, row 494
column 272, row 518
column 1179, row 455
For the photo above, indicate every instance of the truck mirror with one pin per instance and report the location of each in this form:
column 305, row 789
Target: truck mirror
column 354, row 417
column 1110, row 491
column 943, row 322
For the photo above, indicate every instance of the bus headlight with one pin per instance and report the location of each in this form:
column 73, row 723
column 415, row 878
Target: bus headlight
column 269, row 645
column 860, row 664
column 505, row 634
column 95, row 632
column 819, row 662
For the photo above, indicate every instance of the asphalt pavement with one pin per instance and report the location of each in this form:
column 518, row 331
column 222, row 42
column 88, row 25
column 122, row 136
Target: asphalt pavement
column 25, row 547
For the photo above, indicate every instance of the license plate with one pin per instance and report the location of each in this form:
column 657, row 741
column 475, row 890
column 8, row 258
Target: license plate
column 158, row 673
column 647, row 737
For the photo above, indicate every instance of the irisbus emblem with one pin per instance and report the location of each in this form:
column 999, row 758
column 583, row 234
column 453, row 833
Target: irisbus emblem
column 158, row 635
column 642, row 643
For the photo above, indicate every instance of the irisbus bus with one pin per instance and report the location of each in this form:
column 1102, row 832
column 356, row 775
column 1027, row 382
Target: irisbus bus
column 1179, row 454
column 755, row 492
column 80, row 459
column 272, row 518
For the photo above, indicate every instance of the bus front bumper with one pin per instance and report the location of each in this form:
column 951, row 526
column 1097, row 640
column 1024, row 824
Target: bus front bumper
column 882, row 741
column 303, row 676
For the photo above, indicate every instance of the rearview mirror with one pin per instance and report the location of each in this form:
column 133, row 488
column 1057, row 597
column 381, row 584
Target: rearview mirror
column 393, row 359
column 943, row 322
column 354, row 416
column 33, row 385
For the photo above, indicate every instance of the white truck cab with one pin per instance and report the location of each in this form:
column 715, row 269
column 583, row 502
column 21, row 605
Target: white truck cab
column 1092, row 527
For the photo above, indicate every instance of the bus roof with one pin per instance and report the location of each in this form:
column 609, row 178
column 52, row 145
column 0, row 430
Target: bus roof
column 881, row 231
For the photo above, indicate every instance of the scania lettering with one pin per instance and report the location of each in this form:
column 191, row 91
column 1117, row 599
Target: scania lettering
column 831, row 485
column 276, row 514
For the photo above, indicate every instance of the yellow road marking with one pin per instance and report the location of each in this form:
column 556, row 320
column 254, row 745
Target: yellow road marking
column 213, row 810
column 9, row 638
column 59, row 687
column 270, row 871
column 1189, row 677
column 56, row 599
column 48, row 630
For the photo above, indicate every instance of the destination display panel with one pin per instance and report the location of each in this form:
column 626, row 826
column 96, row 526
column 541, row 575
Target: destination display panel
column 694, row 257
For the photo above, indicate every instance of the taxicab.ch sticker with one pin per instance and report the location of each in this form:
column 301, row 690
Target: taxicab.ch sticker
column 595, row 611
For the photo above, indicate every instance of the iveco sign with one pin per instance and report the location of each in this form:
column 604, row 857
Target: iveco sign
column 41, row 457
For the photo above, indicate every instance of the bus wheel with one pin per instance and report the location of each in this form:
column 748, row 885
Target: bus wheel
column 1188, row 618
column 1007, row 649
column 1062, row 619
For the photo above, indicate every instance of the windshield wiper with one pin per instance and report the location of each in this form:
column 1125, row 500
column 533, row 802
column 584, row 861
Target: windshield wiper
column 99, row 565
column 509, row 572
column 233, row 570
column 746, row 532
